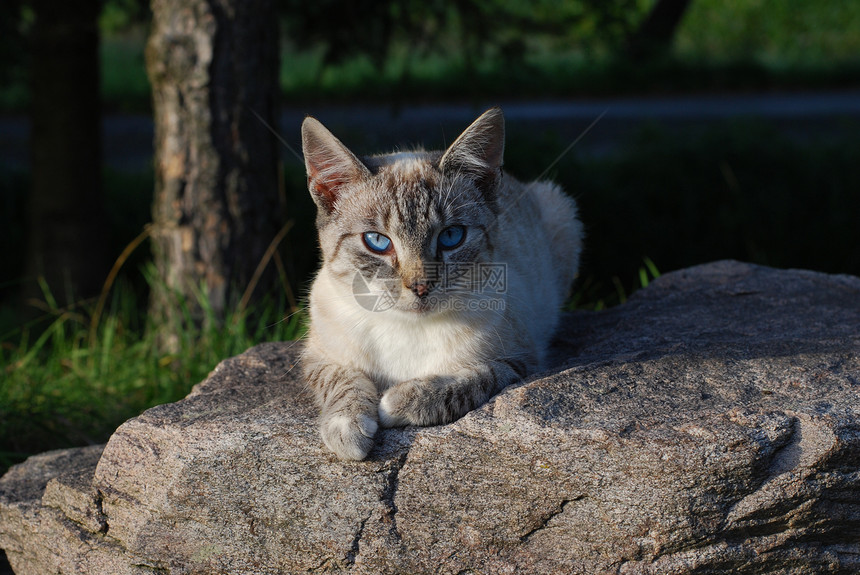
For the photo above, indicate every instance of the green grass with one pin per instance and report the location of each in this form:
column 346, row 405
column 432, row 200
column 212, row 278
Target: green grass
column 73, row 376
column 745, row 44
column 593, row 295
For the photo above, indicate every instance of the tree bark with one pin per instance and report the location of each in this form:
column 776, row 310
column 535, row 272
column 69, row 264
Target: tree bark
column 66, row 223
column 213, row 64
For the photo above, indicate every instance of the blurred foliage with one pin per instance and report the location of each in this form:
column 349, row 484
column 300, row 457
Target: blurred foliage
column 124, row 83
column 512, row 33
column 473, row 28
column 411, row 51
column 118, row 19
column 120, row 16
column 17, row 16
column 777, row 32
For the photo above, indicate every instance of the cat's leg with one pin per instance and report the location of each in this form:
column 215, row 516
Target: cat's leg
column 441, row 399
column 348, row 407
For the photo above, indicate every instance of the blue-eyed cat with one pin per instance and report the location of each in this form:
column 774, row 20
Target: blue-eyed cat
column 442, row 281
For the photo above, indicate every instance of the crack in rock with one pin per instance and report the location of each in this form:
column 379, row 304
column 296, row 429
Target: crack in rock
column 549, row 517
column 389, row 511
column 155, row 570
column 356, row 543
column 390, row 491
column 101, row 517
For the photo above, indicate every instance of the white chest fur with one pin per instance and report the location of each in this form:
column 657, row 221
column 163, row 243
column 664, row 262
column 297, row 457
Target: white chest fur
column 393, row 346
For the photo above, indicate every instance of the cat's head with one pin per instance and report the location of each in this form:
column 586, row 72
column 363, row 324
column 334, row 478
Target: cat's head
column 414, row 228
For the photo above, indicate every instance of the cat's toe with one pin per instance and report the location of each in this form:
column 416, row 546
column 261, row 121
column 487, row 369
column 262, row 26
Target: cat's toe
column 349, row 438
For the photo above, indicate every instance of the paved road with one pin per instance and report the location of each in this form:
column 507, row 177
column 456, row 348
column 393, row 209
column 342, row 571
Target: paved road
column 803, row 116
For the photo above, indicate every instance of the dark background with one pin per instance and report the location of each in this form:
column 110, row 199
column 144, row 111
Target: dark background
column 726, row 130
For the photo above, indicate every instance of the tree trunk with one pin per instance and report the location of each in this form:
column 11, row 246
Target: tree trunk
column 213, row 64
column 66, row 236
column 654, row 36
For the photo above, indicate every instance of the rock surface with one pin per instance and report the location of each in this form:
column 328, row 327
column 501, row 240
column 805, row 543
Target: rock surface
column 709, row 425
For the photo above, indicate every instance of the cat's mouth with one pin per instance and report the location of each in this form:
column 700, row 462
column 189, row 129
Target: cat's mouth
column 422, row 305
column 432, row 304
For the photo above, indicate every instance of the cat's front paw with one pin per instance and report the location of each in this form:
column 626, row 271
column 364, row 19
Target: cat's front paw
column 414, row 402
column 349, row 437
column 393, row 410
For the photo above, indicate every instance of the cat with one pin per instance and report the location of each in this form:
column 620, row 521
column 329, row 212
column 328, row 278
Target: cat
column 442, row 281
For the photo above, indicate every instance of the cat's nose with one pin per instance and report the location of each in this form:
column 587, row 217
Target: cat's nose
column 420, row 289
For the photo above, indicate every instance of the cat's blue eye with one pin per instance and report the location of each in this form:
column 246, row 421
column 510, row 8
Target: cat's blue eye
column 376, row 242
column 451, row 237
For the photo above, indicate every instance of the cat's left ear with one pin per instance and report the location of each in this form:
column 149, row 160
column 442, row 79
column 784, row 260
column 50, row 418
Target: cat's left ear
column 330, row 165
column 479, row 151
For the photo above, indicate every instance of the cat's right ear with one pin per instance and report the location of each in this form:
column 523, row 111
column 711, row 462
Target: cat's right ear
column 329, row 164
column 478, row 151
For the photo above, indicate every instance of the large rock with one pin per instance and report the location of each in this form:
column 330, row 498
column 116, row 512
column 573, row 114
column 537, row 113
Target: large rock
column 709, row 425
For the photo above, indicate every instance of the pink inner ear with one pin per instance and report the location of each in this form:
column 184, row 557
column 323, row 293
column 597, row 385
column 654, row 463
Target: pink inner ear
column 325, row 189
column 326, row 180
column 330, row 165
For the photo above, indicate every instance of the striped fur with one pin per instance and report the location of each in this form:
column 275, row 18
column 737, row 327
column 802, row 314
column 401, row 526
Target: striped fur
column 415, row 335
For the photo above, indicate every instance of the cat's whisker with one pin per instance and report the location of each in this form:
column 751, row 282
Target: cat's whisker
column 567, row 149
column 462, row 207
column 299, row 358
column 278, row 136
column 572, row 144
column 288, row 317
